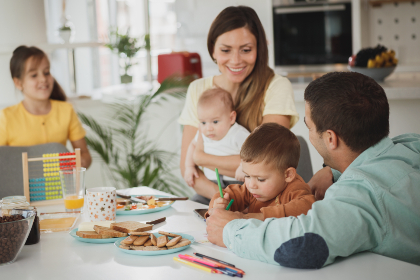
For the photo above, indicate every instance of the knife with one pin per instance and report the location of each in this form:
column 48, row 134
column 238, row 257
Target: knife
column 155, row 222
column 170, row 198
column 132, row 199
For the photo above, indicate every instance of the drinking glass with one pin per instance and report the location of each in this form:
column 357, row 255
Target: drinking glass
column 73, row 185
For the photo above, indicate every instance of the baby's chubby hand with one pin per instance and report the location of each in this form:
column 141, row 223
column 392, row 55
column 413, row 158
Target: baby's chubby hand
column 221, row 203
column 189, row 175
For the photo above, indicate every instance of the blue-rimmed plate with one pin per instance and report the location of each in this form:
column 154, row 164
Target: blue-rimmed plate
column 145, row 211
column 91, row 240
column 156, row 253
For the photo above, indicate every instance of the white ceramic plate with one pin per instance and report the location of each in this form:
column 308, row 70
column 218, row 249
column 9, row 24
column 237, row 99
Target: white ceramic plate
column 156, row 253
column 144, row 211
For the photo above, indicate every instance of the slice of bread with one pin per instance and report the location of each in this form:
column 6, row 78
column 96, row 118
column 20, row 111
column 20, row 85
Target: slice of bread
column 131, row 226
column 105, row 231
column 140, row 233
column 89, row 234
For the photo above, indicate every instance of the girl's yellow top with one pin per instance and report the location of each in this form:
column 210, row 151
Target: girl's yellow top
column 18, row 127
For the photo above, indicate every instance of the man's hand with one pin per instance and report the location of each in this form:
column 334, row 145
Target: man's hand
column 320, row 182
column 221, row 203
column 239, row 174
column 217, row 221
column 190, row 174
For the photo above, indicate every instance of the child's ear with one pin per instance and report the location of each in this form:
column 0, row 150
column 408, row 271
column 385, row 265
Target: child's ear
column 289, row 174
column 18, row 83
column 232, row 117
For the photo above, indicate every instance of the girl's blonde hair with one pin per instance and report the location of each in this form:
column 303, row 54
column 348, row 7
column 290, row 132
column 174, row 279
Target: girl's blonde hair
column 249, row 103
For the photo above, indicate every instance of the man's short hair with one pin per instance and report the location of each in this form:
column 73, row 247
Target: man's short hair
column 217, row 93
column 352, row 105
column 272, row 143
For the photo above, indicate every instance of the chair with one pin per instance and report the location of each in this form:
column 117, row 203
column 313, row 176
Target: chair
column 304, row 168
column 11, row 175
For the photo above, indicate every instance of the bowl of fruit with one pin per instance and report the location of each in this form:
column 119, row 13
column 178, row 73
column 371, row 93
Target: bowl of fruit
column 377, row 63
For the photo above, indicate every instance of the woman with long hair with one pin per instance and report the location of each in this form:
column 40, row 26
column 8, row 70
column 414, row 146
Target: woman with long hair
column 238, row 45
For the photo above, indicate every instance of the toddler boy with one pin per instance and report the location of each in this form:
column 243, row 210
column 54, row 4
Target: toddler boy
column 272, row 188
column 222, row 136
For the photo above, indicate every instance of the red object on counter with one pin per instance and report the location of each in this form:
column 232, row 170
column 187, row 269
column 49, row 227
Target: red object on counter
column 179, row 63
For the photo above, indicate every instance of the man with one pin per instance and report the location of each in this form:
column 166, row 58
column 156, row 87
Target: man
column 373, row 204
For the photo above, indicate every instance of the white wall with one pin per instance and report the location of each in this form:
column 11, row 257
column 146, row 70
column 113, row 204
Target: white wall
column 22, row 22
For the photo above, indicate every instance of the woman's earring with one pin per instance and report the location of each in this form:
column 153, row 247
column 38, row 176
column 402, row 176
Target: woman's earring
column 215, row 61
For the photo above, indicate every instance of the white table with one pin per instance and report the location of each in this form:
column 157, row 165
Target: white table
column 60, row 256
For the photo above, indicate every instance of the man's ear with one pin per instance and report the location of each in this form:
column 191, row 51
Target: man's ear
column 289, row 174
column 18, row 83
column 232, row 117
column 330, row 139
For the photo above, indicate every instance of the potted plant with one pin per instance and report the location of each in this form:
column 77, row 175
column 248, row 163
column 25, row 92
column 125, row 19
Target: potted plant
column 65, row 33
column 126, row 47
column 128, row 157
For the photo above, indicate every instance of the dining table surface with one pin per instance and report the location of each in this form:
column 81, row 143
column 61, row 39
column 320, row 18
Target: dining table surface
column 60, row 256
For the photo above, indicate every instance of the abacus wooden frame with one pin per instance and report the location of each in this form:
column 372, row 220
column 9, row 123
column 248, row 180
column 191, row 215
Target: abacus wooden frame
column 25, row 169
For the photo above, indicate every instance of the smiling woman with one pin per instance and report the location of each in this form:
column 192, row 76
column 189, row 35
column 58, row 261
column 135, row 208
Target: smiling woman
column 238, row 45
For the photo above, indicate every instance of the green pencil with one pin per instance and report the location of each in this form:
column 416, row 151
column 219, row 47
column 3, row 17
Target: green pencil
column 230, row 204
column 218, row 182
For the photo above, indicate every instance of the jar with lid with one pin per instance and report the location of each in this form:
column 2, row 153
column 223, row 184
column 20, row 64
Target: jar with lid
column 20, row 202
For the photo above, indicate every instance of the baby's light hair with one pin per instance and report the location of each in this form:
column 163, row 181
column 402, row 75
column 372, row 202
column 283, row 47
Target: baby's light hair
column 213, row 94
column 272, row 143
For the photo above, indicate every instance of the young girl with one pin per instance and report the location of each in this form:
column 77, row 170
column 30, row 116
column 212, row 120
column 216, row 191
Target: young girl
column 43, row 116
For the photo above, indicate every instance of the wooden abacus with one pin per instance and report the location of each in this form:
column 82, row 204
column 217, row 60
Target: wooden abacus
column 43, row 187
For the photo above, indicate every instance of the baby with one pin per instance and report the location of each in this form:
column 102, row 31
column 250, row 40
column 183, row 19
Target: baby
column 222, row 136
column 272, row 188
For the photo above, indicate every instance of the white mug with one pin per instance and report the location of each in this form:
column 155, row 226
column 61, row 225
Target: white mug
column 101, row 204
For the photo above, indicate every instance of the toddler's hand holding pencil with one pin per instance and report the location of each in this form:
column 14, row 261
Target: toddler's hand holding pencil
column 222, row 202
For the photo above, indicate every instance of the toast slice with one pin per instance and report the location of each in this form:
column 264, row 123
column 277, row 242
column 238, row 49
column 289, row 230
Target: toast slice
column 89, row 234
column 131, row 226
column 106, row 231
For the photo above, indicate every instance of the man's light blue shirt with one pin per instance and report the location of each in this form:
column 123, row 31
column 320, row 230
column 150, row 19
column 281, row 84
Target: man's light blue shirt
column 373, row 206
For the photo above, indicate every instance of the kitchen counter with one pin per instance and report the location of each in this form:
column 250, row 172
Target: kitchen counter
column 398, row 86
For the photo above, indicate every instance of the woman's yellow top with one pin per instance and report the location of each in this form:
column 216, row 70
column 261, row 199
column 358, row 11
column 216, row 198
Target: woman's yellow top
column 18, row 127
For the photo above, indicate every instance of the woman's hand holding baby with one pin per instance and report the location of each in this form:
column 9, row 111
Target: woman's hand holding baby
column 190, row 174
column 221, row 203
column 199, row 151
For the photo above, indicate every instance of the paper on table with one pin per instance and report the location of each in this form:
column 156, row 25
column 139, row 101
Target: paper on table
column 201, row 238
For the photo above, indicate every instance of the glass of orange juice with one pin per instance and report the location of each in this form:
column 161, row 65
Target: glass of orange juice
column 73, row 185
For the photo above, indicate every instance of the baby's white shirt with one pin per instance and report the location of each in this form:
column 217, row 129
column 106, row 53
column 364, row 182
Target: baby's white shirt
column 229, row 145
